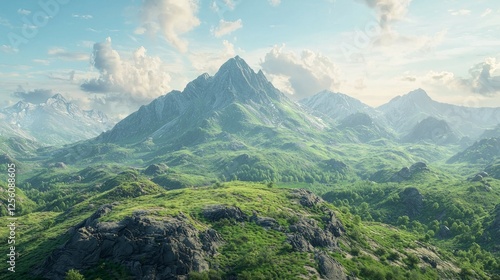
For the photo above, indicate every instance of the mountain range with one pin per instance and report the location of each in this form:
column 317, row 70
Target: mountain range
column 53, row 122
column 231, row 179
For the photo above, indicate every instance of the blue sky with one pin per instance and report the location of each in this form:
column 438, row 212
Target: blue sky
column 122, row 54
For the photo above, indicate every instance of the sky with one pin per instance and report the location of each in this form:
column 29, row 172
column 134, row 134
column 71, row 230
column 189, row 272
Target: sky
column 118, row 55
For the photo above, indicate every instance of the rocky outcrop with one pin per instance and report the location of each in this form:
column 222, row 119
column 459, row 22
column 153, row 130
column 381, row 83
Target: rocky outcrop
column 329, row 268
column 148, row 248
column 406, row 173
column 215, row 213
column 306, row 198
column 306, row 234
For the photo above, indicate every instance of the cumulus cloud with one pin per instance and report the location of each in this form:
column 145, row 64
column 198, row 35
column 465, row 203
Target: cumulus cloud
column 209, row 61
column 227, row 27
column 130, row 82
column 388, row 11
column 66, row 55
column 301, row 75
column 482, row 78
column 171, row 18
column 36, row 96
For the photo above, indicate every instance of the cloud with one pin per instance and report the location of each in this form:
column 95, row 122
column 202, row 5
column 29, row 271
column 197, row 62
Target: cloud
column 274, row 3
column 482, row 78
column 461, row 12
column 442, row 76
column 486, row 12
column 36, row 96
column 171, row 18
column 127, row 82
column 23, row 12
column 409, row 78
column 227, row 27
column 66, row 55
column 83, row 16
column 8, row 49
column 210, row 61
column 41, row 61
column 306, row 74
column 388, row 11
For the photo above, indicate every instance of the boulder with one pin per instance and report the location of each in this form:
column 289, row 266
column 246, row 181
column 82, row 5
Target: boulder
column 329, row 268
column 215, row 213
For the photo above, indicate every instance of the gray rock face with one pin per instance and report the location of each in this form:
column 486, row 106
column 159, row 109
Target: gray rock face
column 406, row 173
column 329, row 268
column 307, row 198
column 412, row 200
column 150, row 249
column 265, row 222
column 218, row 212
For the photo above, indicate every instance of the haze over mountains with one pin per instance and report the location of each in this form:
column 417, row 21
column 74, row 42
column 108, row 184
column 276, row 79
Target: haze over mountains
column 185, row 187
column 53, row 122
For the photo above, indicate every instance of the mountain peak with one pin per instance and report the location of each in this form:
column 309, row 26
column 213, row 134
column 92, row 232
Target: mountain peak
column 418, row 94
column 235, row 63
column 57, row 97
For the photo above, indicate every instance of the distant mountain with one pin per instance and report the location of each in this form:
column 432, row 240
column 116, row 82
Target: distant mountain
column 54, row 122
column 404, row 112
column 483, row 152
column 432, row 130
column 336, row 106
column 361, row 128
column 491, row 133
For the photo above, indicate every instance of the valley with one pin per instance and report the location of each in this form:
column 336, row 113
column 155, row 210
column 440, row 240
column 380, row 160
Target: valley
column 231, row 179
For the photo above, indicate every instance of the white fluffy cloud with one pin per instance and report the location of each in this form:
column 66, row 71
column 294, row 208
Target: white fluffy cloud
column 132, row 81
column 482, row 78
column 209, row 61
column 301, row 75
column 227, row 27
column 171, row 18
column 388, row 11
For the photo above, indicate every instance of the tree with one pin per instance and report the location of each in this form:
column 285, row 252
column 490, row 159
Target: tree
column 74, row 274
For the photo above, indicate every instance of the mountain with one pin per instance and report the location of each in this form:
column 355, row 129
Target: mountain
column 491, row 133
column 432, row 130
column 234, row 98
column 54, row 122
column 404, row 112
column 361, row 128
column 336, row 106
column 483, row 151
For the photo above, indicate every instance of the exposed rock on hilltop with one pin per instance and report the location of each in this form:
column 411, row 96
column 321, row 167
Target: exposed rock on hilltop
column 149, row 249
